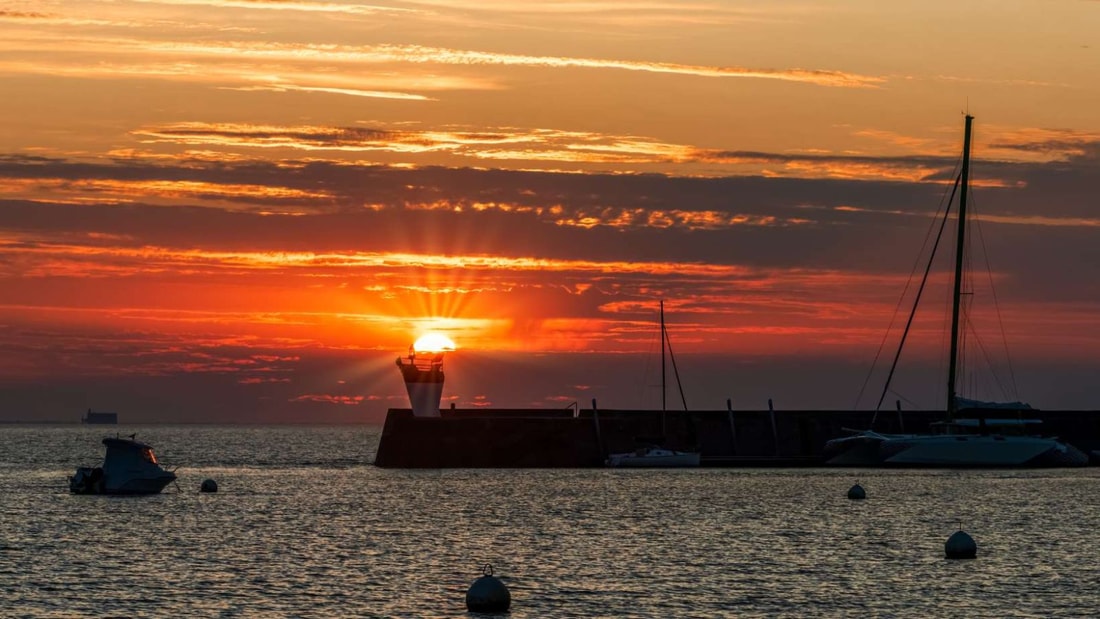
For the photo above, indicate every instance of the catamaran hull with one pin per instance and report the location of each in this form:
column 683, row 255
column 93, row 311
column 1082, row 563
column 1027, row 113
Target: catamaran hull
column 953, row 452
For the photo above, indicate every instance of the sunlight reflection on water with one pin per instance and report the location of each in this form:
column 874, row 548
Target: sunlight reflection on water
column 302, row 526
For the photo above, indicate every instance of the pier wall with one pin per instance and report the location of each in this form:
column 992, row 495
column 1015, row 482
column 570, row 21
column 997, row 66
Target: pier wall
column 563, row 438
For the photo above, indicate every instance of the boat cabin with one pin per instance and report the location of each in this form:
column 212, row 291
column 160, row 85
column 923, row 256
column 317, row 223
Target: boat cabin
column 121, row 450
column 1004, row 427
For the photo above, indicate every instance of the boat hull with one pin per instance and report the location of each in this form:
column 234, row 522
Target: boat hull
column 675, row 460
column 149, row 485
column 951, row 451
column 89, row 480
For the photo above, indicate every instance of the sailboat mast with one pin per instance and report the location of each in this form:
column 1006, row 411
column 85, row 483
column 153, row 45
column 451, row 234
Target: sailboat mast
column 956, row 296
column 662, row 360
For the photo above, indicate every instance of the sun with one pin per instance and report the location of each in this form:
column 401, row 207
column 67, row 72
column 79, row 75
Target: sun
column 433, row 342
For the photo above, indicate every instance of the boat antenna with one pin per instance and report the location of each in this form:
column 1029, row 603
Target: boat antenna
column 957, row 292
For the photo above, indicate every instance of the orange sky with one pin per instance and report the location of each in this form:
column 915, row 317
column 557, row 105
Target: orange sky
column 276, row 197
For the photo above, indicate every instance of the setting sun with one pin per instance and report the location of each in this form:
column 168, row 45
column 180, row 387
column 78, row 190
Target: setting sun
column 249, row 207
column 433, row 342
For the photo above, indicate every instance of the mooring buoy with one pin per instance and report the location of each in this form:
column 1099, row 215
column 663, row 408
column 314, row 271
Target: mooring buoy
column 208, row 485
column 488, row 594
column 857, row 493
column 960, row 546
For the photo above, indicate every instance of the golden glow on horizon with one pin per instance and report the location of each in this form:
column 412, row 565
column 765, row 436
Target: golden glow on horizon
column 434, row 343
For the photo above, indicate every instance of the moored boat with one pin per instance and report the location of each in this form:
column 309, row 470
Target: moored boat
column 959, row 443
column 652, row 456
column 985, row 437
column 129, row 467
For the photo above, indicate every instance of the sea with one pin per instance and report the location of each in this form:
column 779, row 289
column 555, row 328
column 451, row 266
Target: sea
column 303, row 525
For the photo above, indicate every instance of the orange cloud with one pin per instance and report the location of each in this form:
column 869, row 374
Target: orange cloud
column 146, row 257
column 286, row 5
column 113, row 190
column 347, row 400
column 208, row 51
column 546, row 145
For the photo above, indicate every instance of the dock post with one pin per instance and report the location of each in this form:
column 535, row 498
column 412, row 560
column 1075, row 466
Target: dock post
column 775, row 433
column 733, row 428
column 596, row 422
column 901, row 424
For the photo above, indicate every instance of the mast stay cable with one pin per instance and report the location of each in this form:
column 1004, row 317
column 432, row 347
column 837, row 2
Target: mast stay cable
column 916, row 301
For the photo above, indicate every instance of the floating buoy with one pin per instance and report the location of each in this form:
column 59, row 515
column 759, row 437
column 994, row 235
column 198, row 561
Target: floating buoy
column 857, row 493
column 488, row 594
column 209, row 485
column 960, row 546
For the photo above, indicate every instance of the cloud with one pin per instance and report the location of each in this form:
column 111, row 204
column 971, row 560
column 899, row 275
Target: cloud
column 374, row 94
column 249, row 78
column 421, row 54
column 511, row 144
column 347, row 400
column 21, row 15
column 258, row 316
column 608, row 19
column 89, row 190
column 286, row 5
column 380, row 250
column 1054, row 144
column 309, row 137
column 206, row 53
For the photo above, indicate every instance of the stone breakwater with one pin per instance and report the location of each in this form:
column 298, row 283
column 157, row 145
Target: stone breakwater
column 563, row 438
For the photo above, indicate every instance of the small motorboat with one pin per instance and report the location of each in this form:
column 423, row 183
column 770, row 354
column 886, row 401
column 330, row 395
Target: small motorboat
column 129, row 467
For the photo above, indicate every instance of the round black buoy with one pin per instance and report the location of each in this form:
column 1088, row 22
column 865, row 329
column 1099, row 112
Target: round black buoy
column 960, row 546
column 857, row 493
column 209, row 485
column 488, row 594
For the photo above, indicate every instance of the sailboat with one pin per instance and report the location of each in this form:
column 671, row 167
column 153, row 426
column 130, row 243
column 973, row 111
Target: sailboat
column 652, row 456
column 989, row 437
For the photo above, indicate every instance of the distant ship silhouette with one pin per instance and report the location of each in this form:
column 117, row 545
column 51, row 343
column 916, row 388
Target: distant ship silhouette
column 94, row 417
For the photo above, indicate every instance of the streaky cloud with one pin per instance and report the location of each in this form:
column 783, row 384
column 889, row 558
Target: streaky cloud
column 376, row 94
column 287, row 5
column 419, row 54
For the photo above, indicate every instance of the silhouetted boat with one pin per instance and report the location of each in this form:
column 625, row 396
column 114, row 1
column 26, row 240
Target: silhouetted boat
column 976, row 441
column 958, row 443
column 651, row 455
column 94, row 417
column 654, row 456
column 129, row 467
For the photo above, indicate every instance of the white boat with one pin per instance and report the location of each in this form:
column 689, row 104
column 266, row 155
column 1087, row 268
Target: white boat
column 986, row 437
column 129, row 467
column 654, row 455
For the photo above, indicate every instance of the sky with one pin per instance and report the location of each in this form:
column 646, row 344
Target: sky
column 245, row 210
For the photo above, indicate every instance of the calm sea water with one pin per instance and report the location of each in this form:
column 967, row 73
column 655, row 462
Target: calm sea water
column 304, row 526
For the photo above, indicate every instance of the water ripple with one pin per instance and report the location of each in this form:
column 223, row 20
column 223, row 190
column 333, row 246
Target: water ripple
column 303, row 527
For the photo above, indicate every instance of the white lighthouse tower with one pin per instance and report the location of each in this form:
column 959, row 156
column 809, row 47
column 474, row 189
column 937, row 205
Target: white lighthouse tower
column 423, row 376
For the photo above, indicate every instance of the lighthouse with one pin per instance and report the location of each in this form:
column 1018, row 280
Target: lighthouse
column 423, row 374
